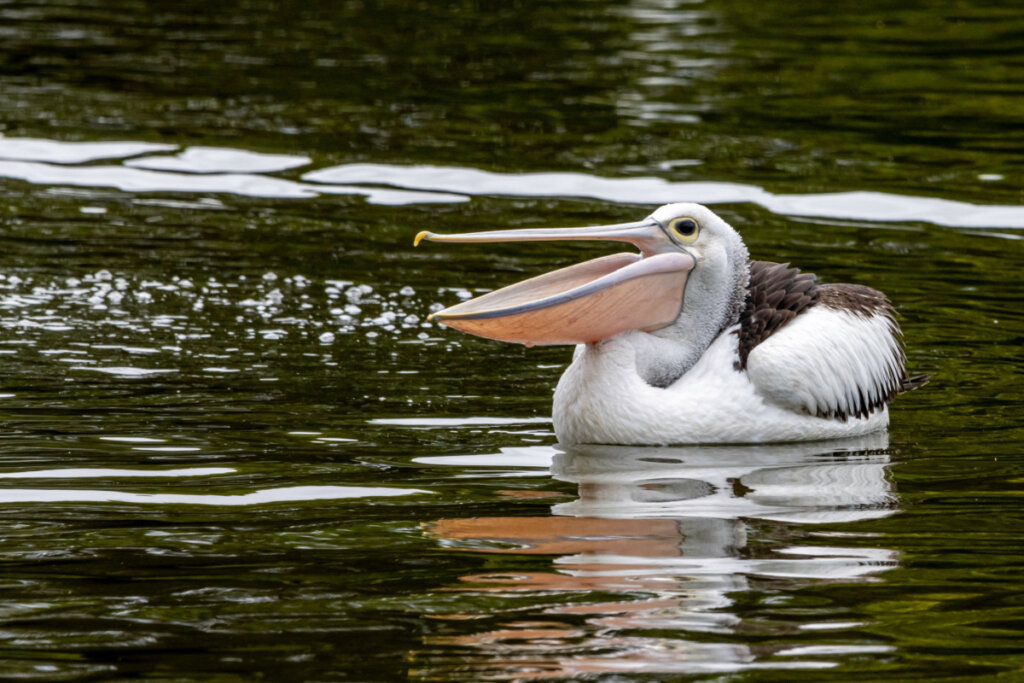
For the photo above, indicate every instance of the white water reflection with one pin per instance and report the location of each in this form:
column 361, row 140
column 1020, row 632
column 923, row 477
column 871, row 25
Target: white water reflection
column 59, row 152
column 219, row 160
column 866, row 206
column 213, row 170
column 661, row 540
column 793, row 482
column 509, row 457
column 206, row 170
column 290, row 494
column 242, row 184
column 127, row 372
column 132, row 439
column 458, row 421
column 108, row 472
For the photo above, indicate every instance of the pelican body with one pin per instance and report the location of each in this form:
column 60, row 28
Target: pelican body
column 689, row 341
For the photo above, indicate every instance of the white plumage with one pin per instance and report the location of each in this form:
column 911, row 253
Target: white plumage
column 818, row 362
column 602, row 399
column 758, row 352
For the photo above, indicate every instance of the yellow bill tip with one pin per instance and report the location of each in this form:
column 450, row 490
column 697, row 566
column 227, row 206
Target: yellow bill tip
column 420, row 236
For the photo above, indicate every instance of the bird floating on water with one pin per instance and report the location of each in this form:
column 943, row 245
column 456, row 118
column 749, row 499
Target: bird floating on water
column 689, row 341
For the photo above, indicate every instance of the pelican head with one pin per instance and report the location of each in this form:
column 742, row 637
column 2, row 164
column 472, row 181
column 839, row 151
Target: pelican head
column 685, row 285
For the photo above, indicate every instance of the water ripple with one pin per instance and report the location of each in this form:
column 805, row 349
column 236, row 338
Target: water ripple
column 194, row 170
column 661, row 540
column 240, row 172
column 866, row 206
column 219, row 160
column 289, row 494
column 428, row 422
column 105, row 472
column 242, row 184
column 59, row 152
column 139, row 328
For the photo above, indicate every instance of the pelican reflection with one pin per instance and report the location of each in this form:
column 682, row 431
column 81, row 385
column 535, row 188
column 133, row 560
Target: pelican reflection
column 655, row 550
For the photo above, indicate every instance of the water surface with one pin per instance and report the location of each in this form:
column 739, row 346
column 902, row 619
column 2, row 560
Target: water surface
column 233, row 445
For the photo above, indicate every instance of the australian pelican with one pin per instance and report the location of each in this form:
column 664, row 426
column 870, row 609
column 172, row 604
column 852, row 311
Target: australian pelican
column 689, row 341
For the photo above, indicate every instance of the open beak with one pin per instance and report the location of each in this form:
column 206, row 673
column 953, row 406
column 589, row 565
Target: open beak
column 584, row 303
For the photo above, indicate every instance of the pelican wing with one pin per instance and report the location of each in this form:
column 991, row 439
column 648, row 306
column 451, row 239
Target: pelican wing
column 837, row 355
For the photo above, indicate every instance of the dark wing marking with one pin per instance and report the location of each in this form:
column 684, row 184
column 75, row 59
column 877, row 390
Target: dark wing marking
column 776, row 294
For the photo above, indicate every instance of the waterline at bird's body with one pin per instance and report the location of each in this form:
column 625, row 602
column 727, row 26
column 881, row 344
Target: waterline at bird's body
column 602, row 399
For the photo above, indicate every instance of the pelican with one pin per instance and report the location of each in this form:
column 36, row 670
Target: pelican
column 691, row 342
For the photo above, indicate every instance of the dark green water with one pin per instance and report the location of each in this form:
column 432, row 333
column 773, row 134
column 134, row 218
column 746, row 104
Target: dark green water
column 232, row 447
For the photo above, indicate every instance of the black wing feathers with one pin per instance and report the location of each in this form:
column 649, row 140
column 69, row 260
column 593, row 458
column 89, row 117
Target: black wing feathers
column 776, row 294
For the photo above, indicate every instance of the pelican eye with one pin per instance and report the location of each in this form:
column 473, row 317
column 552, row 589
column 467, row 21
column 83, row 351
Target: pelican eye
column 685, row 229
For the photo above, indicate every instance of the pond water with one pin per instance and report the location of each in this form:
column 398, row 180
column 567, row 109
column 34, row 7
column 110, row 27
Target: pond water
column 234, row 447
